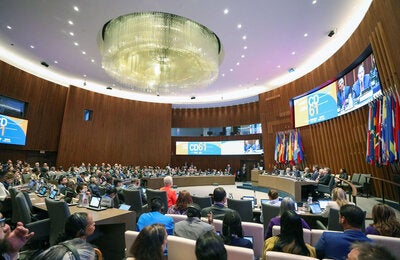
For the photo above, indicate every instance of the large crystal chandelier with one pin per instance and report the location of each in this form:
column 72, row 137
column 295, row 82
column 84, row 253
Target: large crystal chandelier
column 159, row 52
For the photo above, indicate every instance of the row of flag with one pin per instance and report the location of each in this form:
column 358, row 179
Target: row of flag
column 288, row 148
column 383, row 133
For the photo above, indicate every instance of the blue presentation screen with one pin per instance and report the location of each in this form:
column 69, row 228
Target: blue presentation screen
column 13, row 130
column 237, row 147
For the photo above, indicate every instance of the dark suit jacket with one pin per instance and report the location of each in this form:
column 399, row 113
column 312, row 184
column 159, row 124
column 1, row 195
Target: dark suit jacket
column 218, row 211
column 356, row 86
column 342, row 96
column 336, row 245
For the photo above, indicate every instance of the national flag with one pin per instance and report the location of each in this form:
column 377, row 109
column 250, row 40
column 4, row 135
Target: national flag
column 277, row 146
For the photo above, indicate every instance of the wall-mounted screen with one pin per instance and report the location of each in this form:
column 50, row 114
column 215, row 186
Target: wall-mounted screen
column 12, row 107
column 237, row 147
column 12, row 130
column 355, row 87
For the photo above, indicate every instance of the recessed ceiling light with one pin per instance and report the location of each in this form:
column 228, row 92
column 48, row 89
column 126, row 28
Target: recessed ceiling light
column 84, row 75
column 92, row 60
column 226, row 11
column 223, row 75
column 71, row 33
column 237, row 63
column 314, row 2
column 245, row 47
column 9, row 27
column 306, row 34
column 84, row 52
column 76, row 8
column 278, row 66
column 244, row 37
column 76, row 44
column 56, row 62
column 32, row 47
column 242, row 56
column 71, row 22
column 293, row 52
column 231, row 70
column 239, row 26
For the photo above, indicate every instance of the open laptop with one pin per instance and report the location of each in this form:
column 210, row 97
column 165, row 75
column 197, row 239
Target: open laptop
column 322, row 203
column 53, row 194
column 95, row 204
column 315, row 208
column 42, row 191
column 250, row 238
column 125, row 207
column 68, row 198
column 252, row 198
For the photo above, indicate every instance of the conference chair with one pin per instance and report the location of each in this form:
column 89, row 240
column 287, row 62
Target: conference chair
column 333, row 221
column 130, row 237
column 180, row 248
column 269, row 211
column 276, row 230
column 13, row 193
column 58, row 213
column 134, row 199
column 162, row 194
column 237, row 252
column 363, row 184
column 255, row 230
column 203, row 202
column 391, row 243
column 243, row 207
column 326, row 190
column 273, row 255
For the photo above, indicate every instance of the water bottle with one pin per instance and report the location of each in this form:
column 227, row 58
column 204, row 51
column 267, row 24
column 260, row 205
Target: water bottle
column 309, row 201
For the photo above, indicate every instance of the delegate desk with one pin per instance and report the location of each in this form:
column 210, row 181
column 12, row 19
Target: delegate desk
column 111, row 225
column 185, row 181
column 298, row 189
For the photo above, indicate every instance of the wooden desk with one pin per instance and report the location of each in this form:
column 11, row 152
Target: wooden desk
column 111, row 225
column 254, row 176
column 185, row 181
column 285, row 184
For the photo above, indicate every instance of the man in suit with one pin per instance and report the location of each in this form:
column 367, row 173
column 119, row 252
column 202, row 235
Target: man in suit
column 325, row 177
column 336, row 245
column 342, row 95
column 362, row 82
column 218, row 209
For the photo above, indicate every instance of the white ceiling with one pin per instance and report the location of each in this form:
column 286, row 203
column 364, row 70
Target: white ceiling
column 36, row 31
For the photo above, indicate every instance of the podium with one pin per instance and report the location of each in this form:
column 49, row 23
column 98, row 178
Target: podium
column 254, row 176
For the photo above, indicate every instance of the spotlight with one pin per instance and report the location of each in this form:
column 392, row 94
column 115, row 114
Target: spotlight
column 331, row 33
column 44, row 64
column 109, row 88
column 193, row 97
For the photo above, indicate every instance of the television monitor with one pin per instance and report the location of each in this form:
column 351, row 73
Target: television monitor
column 13, row 130
column 236, row 147
column 355, row 87
column 12, row 107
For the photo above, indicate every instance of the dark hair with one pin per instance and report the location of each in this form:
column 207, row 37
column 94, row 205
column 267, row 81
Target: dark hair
column 353, row 215
column 193, row 210
column 210, row 246
column 79, row 188
column 385, row 221
column 231, row 225
column 273, row 194
column 156, row 204
column 75, row 226
column 219, row 194
column 291, row 238
column 148, row 244
column 372, row 251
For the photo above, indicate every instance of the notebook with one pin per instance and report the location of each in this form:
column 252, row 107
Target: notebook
column 315, row 208
column 95, row 204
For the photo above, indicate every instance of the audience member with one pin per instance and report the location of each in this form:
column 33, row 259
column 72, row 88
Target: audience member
column 315, row 174
column 12, row 241
column 62, row 184
column 232, row 231
column 307, row 173
column 338, row 200
column 291, row 238
column 155, row 216
column 135, row 185
column 192, row 227
column 273, row 197
column 150, row 244
column 4, row 193
column 369, row 251
column 286, row 204
column 385, row 222
column 74, row 249
column 171, row 193
column 78, row 225
column 94, row 187
column 336, row 245
column 325, row 177
column 184, row 199
column 218, row 209
column 210, row 246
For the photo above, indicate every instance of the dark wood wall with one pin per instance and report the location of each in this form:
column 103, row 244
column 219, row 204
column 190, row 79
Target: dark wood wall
column 121, row 131
column 339, row 142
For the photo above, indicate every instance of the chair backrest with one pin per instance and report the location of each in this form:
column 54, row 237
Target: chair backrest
column 255, row 230
column 391, row 243
column 180, row 248
column 134, row 199
column 28, row 200
column 243, row 207
column 333, row 220
column 217, row 225
column 58, row 214
column 130, row 237
column 276, row 230
column 176, row 217
column 364, row 178
column 237, row 252
column 203, row 202
column 269, row 211
column 23, row 211
column 272, row 255
column 14, row 210
column 355, row 178
column 162, row 194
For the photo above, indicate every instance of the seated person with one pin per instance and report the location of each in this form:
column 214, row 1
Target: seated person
column 342, row 175
column 385, row 222
column 286, row 204
column 232, row 231
column 192, row 227
column 369, row 251
column 135, row 185
column 62, row 184
column 307, row 173
column 171, row 193
column 218, row 209
column 150, row 243
column 78, row 225
column 210, row 246
column 94, row 187
column 338, row 200
column 155, row 216
column 291, row 238
column 325, row 177
column 273, row 196
column 315, row 173
column 11, row 241
column 63, row 251
column 184, row 199
column 336, row 245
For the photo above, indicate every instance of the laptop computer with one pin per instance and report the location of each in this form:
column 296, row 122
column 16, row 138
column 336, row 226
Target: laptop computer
column 95, row 204
column 315, row 208
column 68, row 198
column 322, row 203
column 252, row 198
column 42, row 191
column 125, row 207
column 250, row 238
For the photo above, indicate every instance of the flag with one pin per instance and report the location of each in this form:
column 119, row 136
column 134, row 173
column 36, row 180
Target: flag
column 377, row 140
column 391, row 130
column 300, row 155
column 370, row 135
column 397, row 125
column 277, row 148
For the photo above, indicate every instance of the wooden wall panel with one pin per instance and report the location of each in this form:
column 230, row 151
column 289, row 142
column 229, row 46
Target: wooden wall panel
column 339, row 142
column 121, row 131
column 45, row 110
